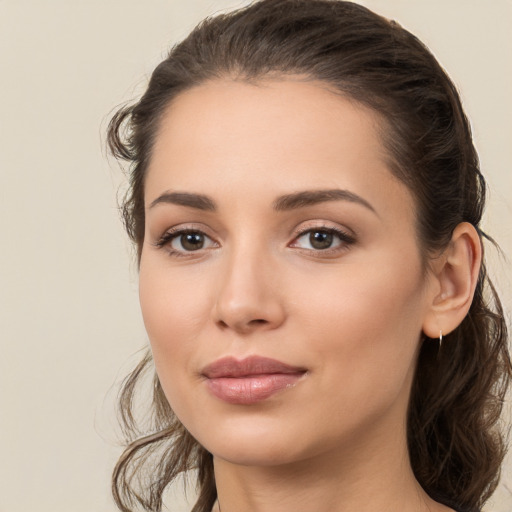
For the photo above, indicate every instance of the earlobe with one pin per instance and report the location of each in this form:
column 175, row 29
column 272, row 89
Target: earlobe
column 455, row 278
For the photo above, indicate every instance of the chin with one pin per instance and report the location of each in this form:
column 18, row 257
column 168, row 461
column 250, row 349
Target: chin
column 262, row 454
column 264, row 441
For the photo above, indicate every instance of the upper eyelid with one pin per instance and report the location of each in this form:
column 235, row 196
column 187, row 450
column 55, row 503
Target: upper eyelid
column 306, row 226
column 344, row 236
column 184, row 227
column 327, row 226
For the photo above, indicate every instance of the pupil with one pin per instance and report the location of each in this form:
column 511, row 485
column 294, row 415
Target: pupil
column 192, row 241
column 320, row 239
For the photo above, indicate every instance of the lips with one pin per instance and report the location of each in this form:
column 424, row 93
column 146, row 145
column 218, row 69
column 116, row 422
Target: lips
column 249, row 380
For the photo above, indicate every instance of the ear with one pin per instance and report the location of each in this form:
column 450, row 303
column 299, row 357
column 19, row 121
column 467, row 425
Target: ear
column 453, row 278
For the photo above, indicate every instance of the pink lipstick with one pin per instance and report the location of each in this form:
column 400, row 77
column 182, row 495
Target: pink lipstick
column 249, row 380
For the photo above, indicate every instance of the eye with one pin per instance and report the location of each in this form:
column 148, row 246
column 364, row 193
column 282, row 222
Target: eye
column 323, row 239
column 185, row 240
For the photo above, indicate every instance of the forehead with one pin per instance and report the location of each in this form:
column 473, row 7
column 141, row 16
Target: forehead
column 265, row 115
column 270, row 137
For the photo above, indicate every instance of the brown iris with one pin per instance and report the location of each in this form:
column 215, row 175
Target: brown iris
column 192, row 241
column 320, row 239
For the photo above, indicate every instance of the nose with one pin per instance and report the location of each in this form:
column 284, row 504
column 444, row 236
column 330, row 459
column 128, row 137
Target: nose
column 248, row 298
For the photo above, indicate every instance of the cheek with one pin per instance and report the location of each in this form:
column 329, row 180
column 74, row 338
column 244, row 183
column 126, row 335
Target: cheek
column 172, row 297
column 383, row 295
column 365, row 323
column 175, row 311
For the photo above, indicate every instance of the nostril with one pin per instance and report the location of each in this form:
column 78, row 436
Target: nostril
column 243, row 326
column 222, row 324
column 258, row 321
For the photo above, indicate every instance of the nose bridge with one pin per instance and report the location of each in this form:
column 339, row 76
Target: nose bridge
column 247, row 297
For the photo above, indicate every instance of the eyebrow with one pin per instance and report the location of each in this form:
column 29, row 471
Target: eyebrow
column 287, row 202
column 198, row 201
column 312, row 197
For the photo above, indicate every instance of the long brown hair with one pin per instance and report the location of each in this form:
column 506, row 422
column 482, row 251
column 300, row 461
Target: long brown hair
column 455, row 446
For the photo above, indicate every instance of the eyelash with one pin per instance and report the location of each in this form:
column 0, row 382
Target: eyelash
column 345, row 239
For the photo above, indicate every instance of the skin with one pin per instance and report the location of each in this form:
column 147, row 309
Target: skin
column 353, row 315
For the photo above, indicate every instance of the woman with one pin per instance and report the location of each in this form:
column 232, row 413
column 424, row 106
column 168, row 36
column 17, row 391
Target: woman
column 305, row 201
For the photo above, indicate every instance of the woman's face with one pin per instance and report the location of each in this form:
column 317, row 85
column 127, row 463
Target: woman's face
column 281, row 282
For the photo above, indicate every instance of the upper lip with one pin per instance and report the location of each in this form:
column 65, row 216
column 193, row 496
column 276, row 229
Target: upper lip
column 252, row 365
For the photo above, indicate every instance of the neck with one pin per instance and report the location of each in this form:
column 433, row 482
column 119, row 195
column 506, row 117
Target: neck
column 374, row 475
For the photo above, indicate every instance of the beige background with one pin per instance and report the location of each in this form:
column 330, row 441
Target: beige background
column 69, row 318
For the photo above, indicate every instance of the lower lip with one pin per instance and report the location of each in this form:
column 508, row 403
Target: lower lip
column 251, row 389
